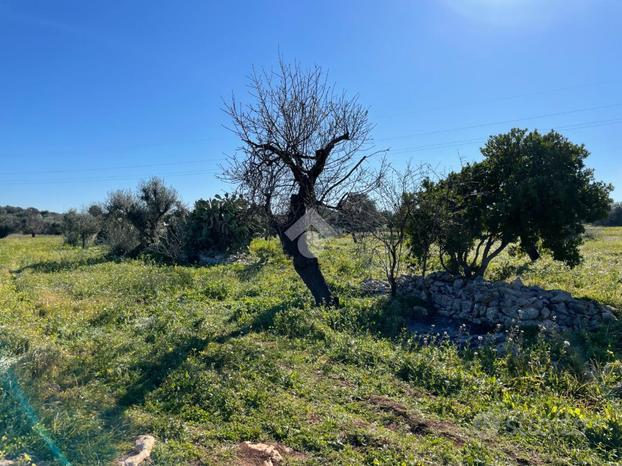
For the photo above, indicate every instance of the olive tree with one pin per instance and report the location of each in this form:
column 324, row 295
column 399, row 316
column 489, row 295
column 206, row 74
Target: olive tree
column 614, row 218
column 133, row 222
column 301, row 146
column 358, row 215
column 79, row 227
column 32, row 223
column 153, row 202
column 117, row 230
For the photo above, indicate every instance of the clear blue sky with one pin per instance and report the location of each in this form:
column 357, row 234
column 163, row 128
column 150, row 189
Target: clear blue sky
column 97, row 95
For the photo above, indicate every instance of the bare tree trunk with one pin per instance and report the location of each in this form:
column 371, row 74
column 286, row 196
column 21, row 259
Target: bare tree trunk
column 308, row 269
column 394, row 258
column 306, row 265
column 393, row 285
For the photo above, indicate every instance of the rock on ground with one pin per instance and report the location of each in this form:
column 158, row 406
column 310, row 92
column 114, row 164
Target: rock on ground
column 482, row 302
column 142, row 451
column 262, row 454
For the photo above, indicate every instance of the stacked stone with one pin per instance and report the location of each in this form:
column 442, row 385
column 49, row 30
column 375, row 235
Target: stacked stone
column 491, row 303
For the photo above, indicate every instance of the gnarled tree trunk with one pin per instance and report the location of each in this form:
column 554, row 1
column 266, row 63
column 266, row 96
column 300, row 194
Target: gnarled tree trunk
column 308, row 269
column 305, row 263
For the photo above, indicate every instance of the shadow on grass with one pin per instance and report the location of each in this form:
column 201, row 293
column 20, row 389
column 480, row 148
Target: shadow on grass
column 250, row 271
column 154, row 372
column 64, row 265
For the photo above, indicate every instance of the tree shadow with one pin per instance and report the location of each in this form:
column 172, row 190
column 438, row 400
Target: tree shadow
column 263, row 320
column 250, row 271
column 154, row 372
column 63, row 265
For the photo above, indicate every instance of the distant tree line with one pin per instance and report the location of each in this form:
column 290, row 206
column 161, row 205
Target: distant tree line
column 29, row 221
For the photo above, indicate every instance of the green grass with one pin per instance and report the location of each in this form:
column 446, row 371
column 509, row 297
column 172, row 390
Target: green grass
column 206, row 358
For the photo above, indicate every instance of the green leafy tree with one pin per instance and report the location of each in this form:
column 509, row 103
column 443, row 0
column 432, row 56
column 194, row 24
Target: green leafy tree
column 424, row 224
column 149, row 209
column 7, row 225
column 32, row 222
column 117, row 230
column 134, row 222
column 530, row 189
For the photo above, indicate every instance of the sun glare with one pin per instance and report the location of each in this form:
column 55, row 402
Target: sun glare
column 510, row 12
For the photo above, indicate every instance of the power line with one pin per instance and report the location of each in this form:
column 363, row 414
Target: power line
column 502, row 122
column 504, row 98
column 449, row 144
column 105, row 179
column 422, row 133
column 400, row 151
column 119, row 167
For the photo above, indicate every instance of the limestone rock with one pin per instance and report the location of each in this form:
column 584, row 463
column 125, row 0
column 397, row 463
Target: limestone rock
column 142, row 451
column 500, row 303
column 530, row 313
column 375, row 287
column 517, row 283
column 260, row 453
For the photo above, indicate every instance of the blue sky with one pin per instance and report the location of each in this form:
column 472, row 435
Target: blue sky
column 98, row 95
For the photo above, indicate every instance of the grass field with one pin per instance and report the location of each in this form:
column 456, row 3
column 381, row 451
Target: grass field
column 96, row 352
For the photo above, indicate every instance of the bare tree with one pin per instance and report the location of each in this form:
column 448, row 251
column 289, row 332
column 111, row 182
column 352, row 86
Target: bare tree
column 301, row 145
column 394, row 198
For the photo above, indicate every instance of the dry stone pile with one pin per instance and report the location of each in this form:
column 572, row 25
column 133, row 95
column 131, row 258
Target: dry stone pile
column 508, row 304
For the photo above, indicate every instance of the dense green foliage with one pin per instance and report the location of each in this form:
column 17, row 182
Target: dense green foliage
column 152, row 222
column 205, row 358
column 530, row 189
